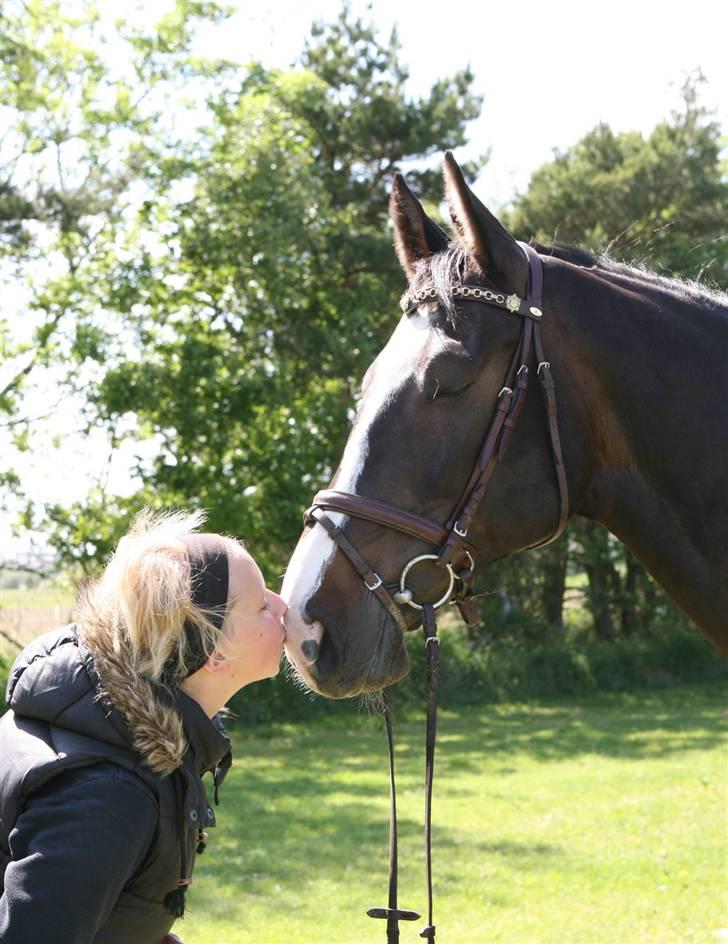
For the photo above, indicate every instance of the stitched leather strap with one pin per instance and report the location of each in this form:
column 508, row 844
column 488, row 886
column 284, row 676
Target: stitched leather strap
column 392, row 913
column 381, row 513
column 432, row 644
column 454, row 550
column 451, row 538
column 371, row 579
column 549, row 392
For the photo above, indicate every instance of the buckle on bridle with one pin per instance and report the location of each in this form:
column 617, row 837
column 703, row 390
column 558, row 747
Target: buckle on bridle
column 375, row 585
column 456, row 529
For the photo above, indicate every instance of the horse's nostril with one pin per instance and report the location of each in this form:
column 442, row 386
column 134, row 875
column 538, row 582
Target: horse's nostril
column 310, row 649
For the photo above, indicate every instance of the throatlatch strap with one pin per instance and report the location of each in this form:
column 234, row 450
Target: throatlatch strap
column 548, row 388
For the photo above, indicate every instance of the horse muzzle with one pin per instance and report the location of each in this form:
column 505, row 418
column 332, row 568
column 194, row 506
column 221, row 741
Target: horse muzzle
column 338, row 658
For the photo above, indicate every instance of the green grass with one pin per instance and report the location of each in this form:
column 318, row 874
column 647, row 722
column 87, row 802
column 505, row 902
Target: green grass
column 595, row 820
column 48, row 593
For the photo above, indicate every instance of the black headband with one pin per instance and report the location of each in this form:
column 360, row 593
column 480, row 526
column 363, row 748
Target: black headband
column 209, row 576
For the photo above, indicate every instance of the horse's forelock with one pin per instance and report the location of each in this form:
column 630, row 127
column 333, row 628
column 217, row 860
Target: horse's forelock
column 445, row 271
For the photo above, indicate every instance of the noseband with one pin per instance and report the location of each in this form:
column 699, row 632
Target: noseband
column 455, row 554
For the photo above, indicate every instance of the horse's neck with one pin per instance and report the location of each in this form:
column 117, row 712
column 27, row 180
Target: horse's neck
column 649, row 368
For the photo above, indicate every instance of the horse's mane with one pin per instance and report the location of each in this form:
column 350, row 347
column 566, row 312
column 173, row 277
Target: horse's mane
column 685, row 289
column 451, row 266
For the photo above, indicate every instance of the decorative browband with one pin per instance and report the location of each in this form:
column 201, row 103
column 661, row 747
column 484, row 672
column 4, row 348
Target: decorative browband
column 472, row 293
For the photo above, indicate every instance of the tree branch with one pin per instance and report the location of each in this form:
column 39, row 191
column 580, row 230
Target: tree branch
column 14, row 381
column 13, row 642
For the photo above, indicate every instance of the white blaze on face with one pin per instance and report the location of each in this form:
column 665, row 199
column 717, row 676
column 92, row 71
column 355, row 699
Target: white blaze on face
column 315, row 549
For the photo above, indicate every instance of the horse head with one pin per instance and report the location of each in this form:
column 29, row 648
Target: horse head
column 427, row 403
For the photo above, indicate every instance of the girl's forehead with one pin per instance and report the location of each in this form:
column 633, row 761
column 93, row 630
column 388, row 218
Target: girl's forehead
column 245, row 577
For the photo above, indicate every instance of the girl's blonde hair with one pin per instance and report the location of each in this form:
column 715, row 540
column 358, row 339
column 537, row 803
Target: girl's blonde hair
column 143, row 599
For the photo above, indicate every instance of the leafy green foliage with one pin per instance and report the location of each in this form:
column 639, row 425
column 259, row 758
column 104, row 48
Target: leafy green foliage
column 217, row 285
column 251, row 323
column 661, row 199
column 76, row 121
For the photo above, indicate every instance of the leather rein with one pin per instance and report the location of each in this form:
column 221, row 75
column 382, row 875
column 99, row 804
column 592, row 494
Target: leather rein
column 456, row 555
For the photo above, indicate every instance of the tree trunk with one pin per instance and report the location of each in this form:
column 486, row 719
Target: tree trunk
column 629, row 604
column 602, row 578
column 554, row 559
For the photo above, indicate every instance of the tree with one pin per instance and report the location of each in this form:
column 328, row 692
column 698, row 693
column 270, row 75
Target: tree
column 71, row 158
column 258, row 284
column 660, row 200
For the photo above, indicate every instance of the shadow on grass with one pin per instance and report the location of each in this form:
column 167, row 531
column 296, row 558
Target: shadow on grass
column 627, row 726
column 319, row 804
column 305, row 806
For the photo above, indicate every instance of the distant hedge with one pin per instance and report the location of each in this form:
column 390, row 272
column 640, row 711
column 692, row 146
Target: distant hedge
column 514, row 668
column 510, row 669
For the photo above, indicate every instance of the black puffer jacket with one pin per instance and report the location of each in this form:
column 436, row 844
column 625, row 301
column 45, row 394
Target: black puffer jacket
column 101, row 797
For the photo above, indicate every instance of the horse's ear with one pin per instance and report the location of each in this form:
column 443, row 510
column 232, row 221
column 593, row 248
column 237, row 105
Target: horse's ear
column 415, row 234
column 493, row 248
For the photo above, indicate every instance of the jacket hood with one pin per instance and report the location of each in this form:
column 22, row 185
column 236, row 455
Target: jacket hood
column 58, row 680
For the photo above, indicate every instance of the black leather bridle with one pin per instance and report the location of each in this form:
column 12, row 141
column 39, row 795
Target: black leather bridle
column 455, row 554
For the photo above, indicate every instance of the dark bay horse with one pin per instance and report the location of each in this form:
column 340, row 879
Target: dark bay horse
column 640, row 364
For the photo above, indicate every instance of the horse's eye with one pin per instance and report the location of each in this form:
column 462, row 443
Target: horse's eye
column 443, row 394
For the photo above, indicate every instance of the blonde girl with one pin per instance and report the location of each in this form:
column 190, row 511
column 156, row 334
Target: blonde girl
column 113, row 721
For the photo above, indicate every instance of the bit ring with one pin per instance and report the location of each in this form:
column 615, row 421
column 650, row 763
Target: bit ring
column 408, row 567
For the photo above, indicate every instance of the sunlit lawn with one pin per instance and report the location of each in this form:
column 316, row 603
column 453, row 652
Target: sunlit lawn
column 593, row 820
column 25, row 614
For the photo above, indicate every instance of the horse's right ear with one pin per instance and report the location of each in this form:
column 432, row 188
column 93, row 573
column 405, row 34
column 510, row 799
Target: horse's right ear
column 493, row 248
column 415, row 234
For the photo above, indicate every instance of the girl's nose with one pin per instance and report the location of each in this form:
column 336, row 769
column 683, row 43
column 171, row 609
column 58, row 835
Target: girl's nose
column 282, row 606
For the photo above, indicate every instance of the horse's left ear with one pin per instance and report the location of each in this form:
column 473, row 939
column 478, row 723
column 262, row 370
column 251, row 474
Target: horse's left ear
column 415, row 234
column 493, row 248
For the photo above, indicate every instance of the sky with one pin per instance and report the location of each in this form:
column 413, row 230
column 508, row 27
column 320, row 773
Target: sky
column 548, row 73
